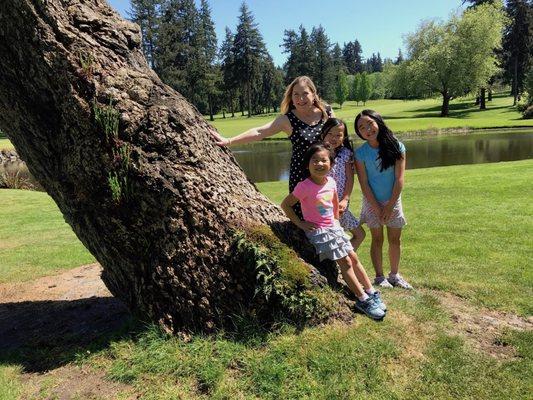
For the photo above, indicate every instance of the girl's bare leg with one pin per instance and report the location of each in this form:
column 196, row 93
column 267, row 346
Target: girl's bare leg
column 393, row 236
column 376, row 248
column 348, row 274
column 358, row 235
column 359, row 271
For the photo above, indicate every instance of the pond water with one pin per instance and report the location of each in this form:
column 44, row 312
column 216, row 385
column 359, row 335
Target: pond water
column 269, row 160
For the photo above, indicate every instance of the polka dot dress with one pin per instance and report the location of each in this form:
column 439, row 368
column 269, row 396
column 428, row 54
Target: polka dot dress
column 303, row 136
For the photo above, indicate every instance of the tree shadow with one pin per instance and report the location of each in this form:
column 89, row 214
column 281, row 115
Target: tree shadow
column 43, row 335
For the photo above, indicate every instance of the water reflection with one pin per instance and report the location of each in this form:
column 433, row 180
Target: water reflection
column 269, row 161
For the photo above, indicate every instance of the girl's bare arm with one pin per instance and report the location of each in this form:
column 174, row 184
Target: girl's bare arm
column 280, row 124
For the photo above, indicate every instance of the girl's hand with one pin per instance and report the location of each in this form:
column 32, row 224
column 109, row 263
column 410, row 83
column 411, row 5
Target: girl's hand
column 219, row 139
column 307, row 226
column 343, row 204
column 376, row 208
column 386, row 213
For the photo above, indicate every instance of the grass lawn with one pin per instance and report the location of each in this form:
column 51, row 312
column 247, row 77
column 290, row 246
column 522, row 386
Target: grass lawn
column 34, row 239
column 469, row 233
column 5, row 144
column 406, row 116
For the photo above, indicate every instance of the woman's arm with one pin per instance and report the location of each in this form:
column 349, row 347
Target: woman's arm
column 365, row 187
column 286, row 205
column 399, row 172
column 280, row 124
column 348, row 187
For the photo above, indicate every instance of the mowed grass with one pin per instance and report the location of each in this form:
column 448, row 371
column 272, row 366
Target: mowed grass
column 5, row 144
column 34, row 238
column 469, row 233
column 405, row 116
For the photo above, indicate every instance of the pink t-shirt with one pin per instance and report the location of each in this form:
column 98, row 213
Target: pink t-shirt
column 317, row 201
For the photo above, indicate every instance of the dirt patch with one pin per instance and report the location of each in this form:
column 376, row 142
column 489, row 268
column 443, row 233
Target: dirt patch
column 483, row 328
column 70, row 309
column 46, row 322
column 74, row 284
column 70, row 382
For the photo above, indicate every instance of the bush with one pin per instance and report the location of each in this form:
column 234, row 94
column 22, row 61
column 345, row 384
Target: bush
column 528, row 113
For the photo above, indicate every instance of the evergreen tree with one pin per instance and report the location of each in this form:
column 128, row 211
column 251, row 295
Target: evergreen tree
column 145, row 13
column 517, row 46
column 399, row 58
column 177, row 47
column 341, row 89
column 305, row 55
column 291, row 47
column 248, row 50
column 323, row 73
column 206, row 48
column 229, row 79
column 337, row 59
column 352, row 57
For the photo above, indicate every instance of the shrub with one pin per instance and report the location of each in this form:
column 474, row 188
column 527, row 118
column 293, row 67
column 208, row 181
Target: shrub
column 528, row 113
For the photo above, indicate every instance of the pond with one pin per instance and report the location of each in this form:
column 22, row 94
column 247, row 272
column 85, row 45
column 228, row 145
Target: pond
column 269, row 160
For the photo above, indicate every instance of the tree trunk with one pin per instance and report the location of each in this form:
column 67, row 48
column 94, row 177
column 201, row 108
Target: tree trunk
column 249, row 98
column 489, row 96
column 482, row 104
column 515, row 81
column 210, row 104
column 183, row 237
column 445, row 108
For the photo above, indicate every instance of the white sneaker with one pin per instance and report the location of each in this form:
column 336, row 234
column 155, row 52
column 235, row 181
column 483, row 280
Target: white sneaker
column 382, row 282
column 399, row 281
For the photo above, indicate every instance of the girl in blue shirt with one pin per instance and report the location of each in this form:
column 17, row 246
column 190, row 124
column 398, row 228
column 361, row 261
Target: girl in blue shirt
column 380, row 166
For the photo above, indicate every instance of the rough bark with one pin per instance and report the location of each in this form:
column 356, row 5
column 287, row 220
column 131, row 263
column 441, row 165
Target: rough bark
column 167, row 238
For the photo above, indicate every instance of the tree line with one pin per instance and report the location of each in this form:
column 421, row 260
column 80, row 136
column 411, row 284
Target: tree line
column 468, row 53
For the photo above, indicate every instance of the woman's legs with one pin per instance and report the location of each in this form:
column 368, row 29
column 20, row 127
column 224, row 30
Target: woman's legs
column 348, row 274
column 393, row 236
column 376, row 249
column 358, row 235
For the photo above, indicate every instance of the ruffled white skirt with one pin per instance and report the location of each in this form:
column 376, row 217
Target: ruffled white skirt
column 330, row 243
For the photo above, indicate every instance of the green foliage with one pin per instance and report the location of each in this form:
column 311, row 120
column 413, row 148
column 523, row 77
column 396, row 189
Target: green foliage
column 356, row 88
column 456, row 57
column 107, row 119
column 365, row 88
column 115, row 184
column 341, row 89
column 528, row 113
column 87, row 62
column 282, row 278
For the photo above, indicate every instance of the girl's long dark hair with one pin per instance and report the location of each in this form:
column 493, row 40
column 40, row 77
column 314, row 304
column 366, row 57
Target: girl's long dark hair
column 389, row 146
column 331, row 123
column 318, row 146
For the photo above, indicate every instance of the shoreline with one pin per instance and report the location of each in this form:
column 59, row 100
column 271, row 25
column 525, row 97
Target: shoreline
column 436, row 132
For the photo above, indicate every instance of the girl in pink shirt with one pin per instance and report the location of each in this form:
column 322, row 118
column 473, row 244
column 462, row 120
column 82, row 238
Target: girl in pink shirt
column 320, row 208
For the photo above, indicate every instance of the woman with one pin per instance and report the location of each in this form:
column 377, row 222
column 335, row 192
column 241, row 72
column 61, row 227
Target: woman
column 303, row 115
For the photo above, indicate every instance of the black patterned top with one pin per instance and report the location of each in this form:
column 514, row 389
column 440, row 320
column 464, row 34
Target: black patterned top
column 303, row 136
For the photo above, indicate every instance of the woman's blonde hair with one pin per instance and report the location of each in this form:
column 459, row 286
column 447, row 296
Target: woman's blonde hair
column 287, row 104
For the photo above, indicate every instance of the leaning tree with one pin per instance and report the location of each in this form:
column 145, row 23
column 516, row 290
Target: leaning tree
column 184, row 238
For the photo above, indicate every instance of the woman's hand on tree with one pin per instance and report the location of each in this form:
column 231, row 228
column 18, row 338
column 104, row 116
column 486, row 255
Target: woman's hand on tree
column 220, row 140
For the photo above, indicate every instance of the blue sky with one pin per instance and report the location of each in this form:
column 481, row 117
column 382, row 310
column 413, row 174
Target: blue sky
column 379, row 25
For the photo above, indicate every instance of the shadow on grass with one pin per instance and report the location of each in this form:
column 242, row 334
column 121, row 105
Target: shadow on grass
column 43, row 335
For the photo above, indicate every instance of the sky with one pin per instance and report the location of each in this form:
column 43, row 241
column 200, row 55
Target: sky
column 379, row 25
